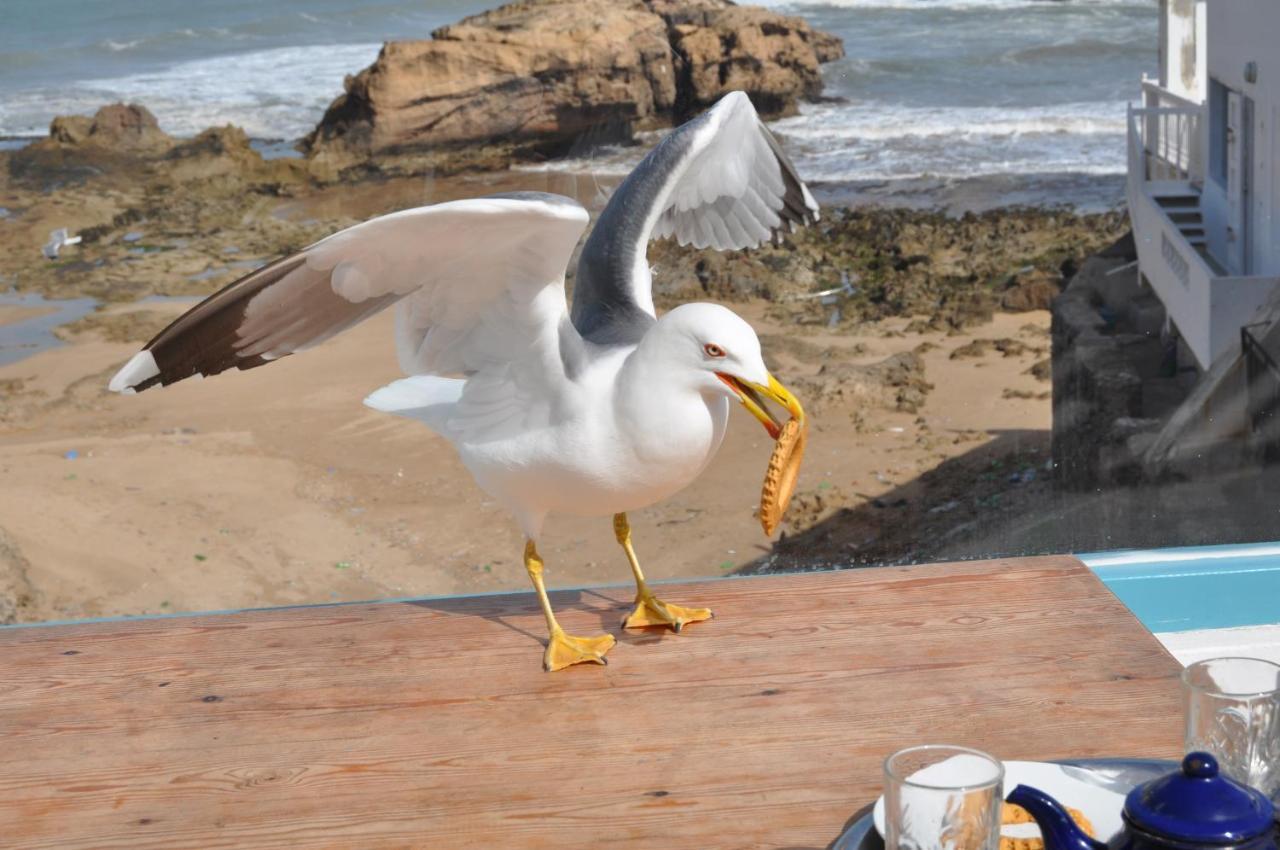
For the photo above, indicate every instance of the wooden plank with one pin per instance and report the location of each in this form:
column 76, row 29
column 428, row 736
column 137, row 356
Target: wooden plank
column 430, row 724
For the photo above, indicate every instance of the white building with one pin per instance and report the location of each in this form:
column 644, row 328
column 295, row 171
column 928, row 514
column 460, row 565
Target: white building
column 1204, row 169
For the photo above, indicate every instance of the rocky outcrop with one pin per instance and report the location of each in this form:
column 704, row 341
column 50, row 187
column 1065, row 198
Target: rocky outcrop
column 947, row 272
column 1031, row 289
column 123, row 128
column 126, row 144
column 720, row 47
column 118, row 138
column 224, row 153
column 535, row 78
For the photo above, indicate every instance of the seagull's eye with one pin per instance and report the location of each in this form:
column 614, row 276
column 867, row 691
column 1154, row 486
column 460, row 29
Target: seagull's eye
column 713, row 350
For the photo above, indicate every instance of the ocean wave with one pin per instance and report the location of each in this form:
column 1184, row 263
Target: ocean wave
column 839, row 170
column 1092, row 49
column 263, row 70
column 836, row 167
column 877, row 121
column 838, row 143
column 161, row 42
column 277, row 93
column 119, row 46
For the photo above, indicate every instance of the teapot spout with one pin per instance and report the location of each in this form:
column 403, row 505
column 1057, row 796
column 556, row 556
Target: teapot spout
column 1059, row 830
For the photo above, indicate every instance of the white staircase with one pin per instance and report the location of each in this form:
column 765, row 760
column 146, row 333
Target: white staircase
column 1183, row 210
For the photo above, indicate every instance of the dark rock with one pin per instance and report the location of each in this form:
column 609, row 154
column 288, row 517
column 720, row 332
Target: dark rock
column 722, row 47
column 70, row 129
column 979, row 347
column 225, row 153
column 117, row 137
column 1033, row 291
column 124, row 128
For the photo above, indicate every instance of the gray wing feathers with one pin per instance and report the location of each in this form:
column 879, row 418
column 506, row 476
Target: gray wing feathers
column 719, row 181
column 740, row 191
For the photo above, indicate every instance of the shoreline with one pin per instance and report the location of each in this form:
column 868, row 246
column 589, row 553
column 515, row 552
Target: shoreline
column 1078, row 191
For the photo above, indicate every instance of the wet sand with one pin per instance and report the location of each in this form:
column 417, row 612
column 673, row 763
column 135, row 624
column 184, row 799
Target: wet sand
column 12, row 315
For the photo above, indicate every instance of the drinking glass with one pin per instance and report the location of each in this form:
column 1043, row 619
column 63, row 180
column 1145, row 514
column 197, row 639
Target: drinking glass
column 1233, row 712
column 942, row 798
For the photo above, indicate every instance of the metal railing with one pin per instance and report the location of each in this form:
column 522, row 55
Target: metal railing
column 1154, row 94
column 1164, row 143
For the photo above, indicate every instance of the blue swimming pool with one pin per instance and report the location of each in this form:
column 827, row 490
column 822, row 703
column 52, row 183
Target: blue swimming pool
column 1198, row 587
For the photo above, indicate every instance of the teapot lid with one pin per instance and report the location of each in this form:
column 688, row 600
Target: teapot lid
column 1196, row 805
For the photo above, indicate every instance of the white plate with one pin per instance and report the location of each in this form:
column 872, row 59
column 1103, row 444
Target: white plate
column 1101, row 806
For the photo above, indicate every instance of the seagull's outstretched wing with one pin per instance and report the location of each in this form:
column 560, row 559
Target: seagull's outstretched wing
column 720, row 181
column 479, row 282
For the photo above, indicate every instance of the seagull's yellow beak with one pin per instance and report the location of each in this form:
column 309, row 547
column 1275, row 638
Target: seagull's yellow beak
column 752, row 396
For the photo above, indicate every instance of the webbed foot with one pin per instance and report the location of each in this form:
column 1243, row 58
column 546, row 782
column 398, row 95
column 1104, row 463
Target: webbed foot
column 652, row 611
column 565, row 650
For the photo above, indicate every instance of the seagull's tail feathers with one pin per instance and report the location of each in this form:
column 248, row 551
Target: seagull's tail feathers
column 427, row 398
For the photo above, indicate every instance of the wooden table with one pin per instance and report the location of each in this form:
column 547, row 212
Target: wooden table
column 430, row 724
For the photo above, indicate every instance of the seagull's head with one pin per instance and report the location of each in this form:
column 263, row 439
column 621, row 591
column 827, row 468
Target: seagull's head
column 716, row 349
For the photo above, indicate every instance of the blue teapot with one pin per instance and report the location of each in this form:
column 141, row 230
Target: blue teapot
column 1188, row 809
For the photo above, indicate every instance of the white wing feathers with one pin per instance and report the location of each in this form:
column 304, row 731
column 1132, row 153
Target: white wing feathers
column 479, row 282
column 487, row 307
column 427, row 398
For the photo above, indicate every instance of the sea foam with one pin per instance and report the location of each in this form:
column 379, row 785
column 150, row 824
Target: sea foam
column 277, row 93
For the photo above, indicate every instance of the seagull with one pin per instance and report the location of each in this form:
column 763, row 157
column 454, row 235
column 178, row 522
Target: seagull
column 58, row 239
column 593, row 409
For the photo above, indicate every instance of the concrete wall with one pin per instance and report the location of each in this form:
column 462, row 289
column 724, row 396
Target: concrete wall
column 1235, row 303
column 1240, row 32
column 1178, row 275
column 1182, row 48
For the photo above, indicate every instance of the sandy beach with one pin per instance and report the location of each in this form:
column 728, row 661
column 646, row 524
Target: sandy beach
column 276, row 487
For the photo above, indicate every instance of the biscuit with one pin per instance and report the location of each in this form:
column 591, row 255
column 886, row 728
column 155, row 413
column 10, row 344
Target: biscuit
column 780, row 478
column 1011, row 815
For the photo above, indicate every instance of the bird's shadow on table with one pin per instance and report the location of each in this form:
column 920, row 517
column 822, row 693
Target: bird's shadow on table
column 514, row 610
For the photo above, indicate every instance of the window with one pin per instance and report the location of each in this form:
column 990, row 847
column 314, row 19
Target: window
column 1218, row 132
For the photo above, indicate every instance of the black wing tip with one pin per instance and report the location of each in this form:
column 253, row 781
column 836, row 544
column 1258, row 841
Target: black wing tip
column 144, row 370
column 798, row 205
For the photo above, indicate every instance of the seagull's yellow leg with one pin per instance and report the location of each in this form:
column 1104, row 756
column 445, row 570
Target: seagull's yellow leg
column 563, row 649
column 650, row 610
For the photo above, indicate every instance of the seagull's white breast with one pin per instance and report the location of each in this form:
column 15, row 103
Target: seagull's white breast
column 610, row 448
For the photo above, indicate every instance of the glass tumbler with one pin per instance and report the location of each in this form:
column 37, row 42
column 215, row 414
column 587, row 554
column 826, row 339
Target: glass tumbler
column 942, row 798
column 1233, row 712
